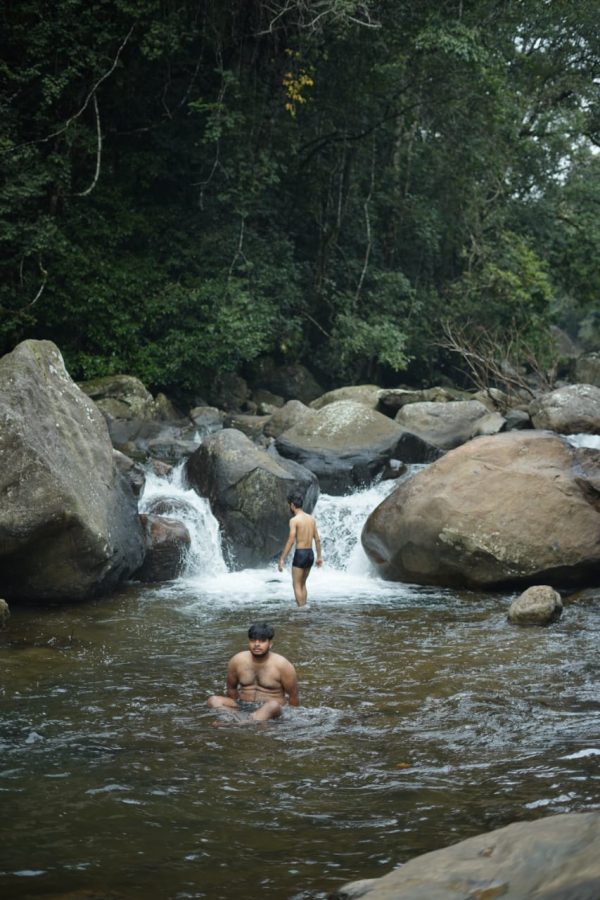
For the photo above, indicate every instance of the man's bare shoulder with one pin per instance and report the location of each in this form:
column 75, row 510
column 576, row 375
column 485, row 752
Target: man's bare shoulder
column 242, row 656
column 280, row 661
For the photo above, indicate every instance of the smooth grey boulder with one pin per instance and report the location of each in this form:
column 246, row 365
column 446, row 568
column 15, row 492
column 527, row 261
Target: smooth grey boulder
column 251, row 426
column 360, row 393
column 538, row 605
column 517, row 508
column 555, row 858
column 69, row 527
column 443, row 425
column 120, row 397
column 167, row 543
column 572, row 409
column 286, row 417
column 345, row 444
column 247, row 489
column 392, row 399
column 207, row 419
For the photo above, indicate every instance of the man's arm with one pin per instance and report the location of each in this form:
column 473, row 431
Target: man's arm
column 318, row 546
column 232, row 679
column 289, row 683
column 288, row 546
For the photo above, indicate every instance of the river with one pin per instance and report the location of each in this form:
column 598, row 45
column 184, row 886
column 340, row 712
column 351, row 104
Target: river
column 425, row 718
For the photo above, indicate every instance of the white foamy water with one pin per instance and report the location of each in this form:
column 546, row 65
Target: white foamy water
column 346, row 570
column 591, row 441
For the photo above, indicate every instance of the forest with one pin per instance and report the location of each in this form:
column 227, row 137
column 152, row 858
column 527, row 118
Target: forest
column 191, row 186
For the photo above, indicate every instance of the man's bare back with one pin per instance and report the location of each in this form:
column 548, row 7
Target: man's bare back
column 303, row 531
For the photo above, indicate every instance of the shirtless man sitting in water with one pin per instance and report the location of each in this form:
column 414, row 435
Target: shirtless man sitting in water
column 303, row 531
column 259, row 682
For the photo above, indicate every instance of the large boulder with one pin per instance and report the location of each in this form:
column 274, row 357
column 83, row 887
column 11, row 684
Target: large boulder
column 345, row 444
column 292, row 382
column 247, row 489
column 286, row 417
column 361, row 393
column 69, row 527
column 514, row 508
column 443, row 425
column 572, row 409
column 390, row 400
column 555, row 858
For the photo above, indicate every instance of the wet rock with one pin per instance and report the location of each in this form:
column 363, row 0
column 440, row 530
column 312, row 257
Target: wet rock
column 555, row 858
column 68, row 520
column 167, row 542
column 345, row 444
column 133, row 471
column 510, row 509
column 517, row 420
column 572, row 409
column 247, row 489
column 538, row 605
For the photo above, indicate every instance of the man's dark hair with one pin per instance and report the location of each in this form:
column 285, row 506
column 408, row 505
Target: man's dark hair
column 296, row 499
column 261, row 632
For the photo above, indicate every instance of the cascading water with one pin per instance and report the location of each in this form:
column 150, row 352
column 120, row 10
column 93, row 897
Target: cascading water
column 169, row 496
column 340, row 520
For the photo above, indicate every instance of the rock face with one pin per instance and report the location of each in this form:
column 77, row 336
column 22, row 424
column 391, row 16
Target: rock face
column 345, row 444
column 443, row 425
column 69, row 527
column 538, row 605
column 286, row 417
column 167, row 541
column 568, row 410
column 361, row 393
column 247, row 489
column 514, row 508
column 556, row 858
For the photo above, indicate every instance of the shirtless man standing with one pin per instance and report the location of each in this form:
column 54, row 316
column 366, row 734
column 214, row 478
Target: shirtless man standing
column 259, row 682
column 303, row 531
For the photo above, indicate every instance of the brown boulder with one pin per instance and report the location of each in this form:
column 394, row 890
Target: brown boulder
column 510, row 509
column 555, row 858
column 538, row 605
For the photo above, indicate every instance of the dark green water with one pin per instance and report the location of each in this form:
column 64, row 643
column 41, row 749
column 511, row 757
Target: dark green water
column 425, row 719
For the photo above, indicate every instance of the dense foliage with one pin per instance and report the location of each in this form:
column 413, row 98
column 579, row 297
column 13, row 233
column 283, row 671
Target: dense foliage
column 188, row 186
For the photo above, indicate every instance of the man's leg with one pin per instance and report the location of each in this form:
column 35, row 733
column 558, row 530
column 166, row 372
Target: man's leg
column 216, row 702
column 305, row 574
column 269, row 710
column 298, row 579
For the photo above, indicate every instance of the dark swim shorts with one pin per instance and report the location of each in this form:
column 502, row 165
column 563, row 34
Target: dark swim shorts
column 303, row 559
column 248, row 706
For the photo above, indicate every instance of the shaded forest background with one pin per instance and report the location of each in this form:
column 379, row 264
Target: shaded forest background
column 191, row 186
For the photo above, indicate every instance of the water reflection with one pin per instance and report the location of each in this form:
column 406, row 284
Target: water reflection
column 425, row 719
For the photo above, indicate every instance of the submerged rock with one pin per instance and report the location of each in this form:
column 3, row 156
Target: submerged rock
column 69, row 527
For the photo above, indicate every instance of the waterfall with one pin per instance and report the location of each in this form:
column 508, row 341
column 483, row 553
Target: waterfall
column 169, row 496
column 339, row 520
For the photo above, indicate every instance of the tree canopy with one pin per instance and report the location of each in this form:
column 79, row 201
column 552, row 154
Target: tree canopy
column 190, row 186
